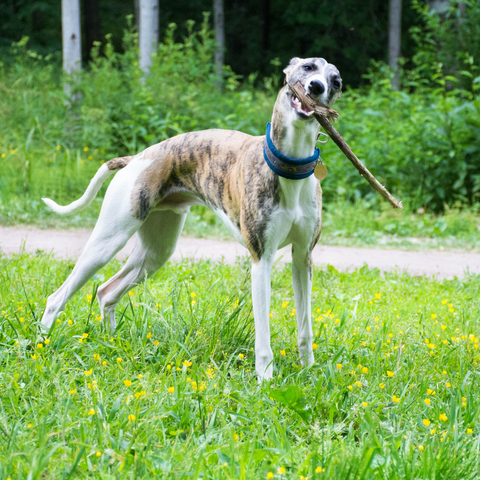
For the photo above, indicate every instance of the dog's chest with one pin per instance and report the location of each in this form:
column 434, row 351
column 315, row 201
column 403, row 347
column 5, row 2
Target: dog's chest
column 298, row 217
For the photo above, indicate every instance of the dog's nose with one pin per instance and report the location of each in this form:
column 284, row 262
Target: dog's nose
column 316, row 87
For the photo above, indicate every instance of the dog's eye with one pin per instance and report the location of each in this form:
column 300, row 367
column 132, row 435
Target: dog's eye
column 336, row 84
column 307, row 68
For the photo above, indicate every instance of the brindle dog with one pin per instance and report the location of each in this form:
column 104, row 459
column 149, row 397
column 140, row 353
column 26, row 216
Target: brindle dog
column 226, row 171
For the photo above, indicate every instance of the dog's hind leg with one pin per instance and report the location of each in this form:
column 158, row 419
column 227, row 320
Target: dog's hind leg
column 114, row 227
column 156, row 242
column 302, row 288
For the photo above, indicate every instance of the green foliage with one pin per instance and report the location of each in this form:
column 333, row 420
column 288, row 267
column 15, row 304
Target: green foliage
column 423, row 144
column 173, row 392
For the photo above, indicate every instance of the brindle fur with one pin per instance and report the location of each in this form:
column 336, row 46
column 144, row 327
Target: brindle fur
column 221, row 169
column 118, row 163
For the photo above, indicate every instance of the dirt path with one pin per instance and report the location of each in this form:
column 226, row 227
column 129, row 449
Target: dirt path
column 69, row 243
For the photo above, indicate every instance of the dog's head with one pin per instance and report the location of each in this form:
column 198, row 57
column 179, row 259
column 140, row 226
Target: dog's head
column 320, row 79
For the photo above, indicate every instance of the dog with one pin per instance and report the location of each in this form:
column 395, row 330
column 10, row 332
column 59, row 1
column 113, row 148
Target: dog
column 261, row 187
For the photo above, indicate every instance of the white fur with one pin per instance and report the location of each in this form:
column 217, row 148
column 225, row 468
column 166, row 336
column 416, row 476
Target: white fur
column 87, row 198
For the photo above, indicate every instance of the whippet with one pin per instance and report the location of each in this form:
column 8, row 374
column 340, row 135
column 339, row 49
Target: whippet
column 261, row 187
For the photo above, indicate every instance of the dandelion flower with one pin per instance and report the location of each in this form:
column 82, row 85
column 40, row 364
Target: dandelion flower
column 395, row 399
column 443, row 417
column 130, row 294
column 131, row 418
column 390, row 374
column 88, row 372
column 91, row 412
column 72, row 392
column 426, row 422
column 365, row 404
column 382, row 385
column 282, row 471
column 364, row 370
column 98, row 454
column 427, row 401
column 241, row 356
column 469, row 431
column 433, row 316
column 39, row 345
column 270, row 475
column 119, row 360
column 420, row 447
column 282, row 353
column 127, row 383
column 339, row 366
column 172, row 389
column 314, row 346
column 186, row 363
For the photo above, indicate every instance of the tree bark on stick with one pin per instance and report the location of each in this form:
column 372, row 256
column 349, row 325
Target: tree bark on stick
column 394, row 40
column 219, row 26
column 71, row 42
column 322, row 114
column 148, row 35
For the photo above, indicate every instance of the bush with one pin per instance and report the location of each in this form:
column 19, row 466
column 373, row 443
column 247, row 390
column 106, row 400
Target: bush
column 423, row 144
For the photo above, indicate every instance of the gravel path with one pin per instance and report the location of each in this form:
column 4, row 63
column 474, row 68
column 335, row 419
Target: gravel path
column 69, row 243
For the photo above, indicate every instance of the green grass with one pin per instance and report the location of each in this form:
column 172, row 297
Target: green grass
column 66, row 412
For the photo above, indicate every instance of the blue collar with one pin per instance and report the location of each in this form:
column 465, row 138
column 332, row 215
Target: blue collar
column 291, row 168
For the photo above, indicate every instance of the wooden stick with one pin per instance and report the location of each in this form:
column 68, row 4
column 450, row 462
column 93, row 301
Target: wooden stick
column 323, row 114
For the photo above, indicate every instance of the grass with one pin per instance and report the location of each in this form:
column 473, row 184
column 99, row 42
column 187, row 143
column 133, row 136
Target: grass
column 172, row 394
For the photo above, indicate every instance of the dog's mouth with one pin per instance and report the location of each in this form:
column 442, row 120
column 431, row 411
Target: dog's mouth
column 297, row 106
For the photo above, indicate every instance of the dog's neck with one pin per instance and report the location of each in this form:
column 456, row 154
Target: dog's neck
column 292, row 136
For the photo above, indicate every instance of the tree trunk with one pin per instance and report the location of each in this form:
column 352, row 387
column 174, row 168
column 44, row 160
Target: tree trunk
column 218, row 19
column 148, row 35
column 71, row 41
column 91, row 23
column 394, row 40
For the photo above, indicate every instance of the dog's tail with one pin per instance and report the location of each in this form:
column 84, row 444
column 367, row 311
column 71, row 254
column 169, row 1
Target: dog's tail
column 91, row 192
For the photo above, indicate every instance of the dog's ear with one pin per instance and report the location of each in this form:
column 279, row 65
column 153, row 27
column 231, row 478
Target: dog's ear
column 290, row 66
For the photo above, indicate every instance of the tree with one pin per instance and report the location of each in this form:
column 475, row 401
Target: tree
column 148, row 32
column 218, row 20
column 71, row 41
column 394, row 39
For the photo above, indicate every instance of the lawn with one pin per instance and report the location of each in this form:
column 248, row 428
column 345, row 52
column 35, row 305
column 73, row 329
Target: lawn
column 172, row 393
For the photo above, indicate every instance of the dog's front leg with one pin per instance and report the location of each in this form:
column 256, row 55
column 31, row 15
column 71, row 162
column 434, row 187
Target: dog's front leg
column 302, row 288
column 261, row 291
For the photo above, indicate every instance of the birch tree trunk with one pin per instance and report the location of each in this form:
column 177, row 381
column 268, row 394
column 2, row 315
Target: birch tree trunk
column 71, row 41
column 148, row 34
column 218, row 24
column 394, row 39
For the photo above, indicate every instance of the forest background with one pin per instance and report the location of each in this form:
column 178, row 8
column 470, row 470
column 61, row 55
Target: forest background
column 421, row 140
